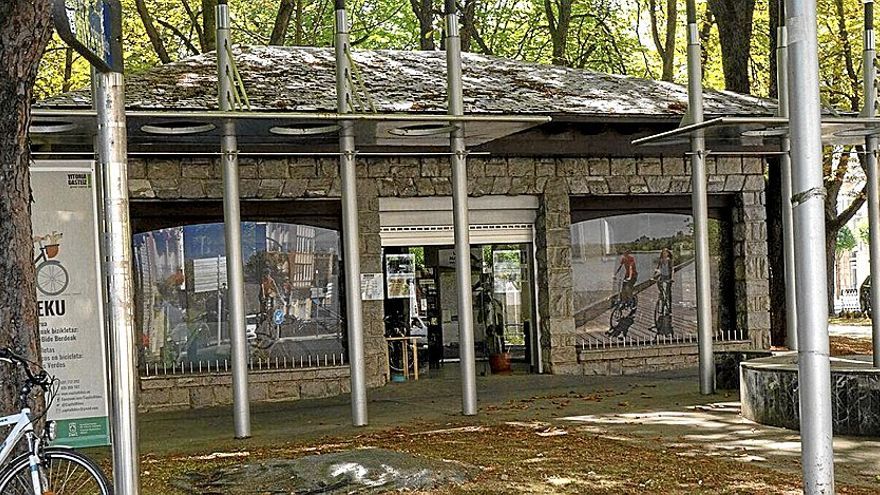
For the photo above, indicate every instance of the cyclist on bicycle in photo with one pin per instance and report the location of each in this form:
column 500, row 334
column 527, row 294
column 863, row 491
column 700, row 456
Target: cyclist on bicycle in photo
column 663, row 275
column 630, row 275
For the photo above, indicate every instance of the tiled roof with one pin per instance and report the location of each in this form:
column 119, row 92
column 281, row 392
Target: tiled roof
column 303, row 79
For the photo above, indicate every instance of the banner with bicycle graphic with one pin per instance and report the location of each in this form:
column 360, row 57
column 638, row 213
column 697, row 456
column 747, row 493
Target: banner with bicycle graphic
column 69, row 299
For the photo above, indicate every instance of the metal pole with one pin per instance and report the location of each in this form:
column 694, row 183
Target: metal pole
column 112, row 149
column 870, row 76
column 785, row 168
column 700, row 207
column 460, row 216
column 814, row 371
column 232, row 223
column 350, row 242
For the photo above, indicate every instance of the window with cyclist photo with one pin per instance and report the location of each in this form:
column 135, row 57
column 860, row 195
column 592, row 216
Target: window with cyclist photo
column 292, row 295
column 634, row 276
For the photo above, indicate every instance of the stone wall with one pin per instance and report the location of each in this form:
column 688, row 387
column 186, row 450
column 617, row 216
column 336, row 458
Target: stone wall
column 554, row 180
column 646, row 359
column 175, row 392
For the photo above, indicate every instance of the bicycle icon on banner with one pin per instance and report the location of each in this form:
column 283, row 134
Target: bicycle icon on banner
column 52, row 277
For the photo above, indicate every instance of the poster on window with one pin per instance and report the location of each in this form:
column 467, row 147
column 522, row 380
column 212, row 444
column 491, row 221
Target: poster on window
column 506, row 271
column 400, row 275
column 634, row 278
column 69, row 299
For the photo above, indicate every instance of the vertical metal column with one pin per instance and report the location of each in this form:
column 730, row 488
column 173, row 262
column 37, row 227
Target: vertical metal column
column 350, row 237
column 700, row 206
column 785, row 169
column 814, row 370
column 460, row 219
column 232, row 225
column 870, row 75
column 113, row 153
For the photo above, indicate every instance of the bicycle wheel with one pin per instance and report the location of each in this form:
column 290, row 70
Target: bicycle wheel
column 616, row 315
column 63, row 471
column 52, row 278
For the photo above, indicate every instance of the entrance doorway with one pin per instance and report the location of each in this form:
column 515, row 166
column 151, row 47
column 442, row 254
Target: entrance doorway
column 422, row 301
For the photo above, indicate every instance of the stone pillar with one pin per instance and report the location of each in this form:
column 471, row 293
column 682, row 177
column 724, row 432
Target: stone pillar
column 752, row 274
column 371, row 262
column 555, row 292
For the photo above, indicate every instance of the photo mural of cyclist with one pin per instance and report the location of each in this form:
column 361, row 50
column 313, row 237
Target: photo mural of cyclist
column 292, row 293
column 634, row 276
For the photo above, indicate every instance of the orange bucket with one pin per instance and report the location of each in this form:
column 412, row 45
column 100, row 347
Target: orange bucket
column 52, row 250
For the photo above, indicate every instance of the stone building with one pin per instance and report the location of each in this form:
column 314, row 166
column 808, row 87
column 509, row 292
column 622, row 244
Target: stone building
column 554, row 207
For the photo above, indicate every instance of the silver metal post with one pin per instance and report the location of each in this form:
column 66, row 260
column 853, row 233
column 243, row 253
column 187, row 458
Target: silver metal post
column 700, row 206
column 785, row 168
column 112, row 149
column 350, row 238
column 460, row 216
column 870, row 77
column 814, row 371
column 232, row 224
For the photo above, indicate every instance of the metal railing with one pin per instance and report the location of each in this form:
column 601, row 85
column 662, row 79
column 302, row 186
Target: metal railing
column 310, row 361
column 598, row 342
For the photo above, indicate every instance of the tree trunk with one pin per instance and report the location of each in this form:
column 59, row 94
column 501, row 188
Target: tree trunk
column 282, row 22
column 772, row 25
column 68, row 69
column 468, row 14
column 665, row 44
column 734, row 19
column 153, row 34
column 830, row 255
column 558, row 24
column 424, row 11
column 209, row 24
column 25, row 30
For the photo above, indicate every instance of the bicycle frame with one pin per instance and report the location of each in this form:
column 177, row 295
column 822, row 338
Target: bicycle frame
column 23, row 427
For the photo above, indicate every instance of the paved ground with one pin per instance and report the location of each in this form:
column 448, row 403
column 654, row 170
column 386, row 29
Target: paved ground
column 533, row 434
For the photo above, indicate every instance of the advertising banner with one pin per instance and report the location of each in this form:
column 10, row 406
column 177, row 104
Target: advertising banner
column 400, row 274
column 69, row 299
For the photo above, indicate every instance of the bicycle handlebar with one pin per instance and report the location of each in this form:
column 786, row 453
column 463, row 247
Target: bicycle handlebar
column 41, row 379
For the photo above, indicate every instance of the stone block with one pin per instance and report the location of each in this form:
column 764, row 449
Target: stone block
column 673, row 166
column 545, row 168
column 496, row 167
column 442, row 186
column 247, row 168
column 270, row 188
column 522, row 185
column 501, row 185
column 249, row 188
column 435, row 167
column 481, row 186
column 191, row 189
column 294, row 188
column 475, row 168
column 754, row 183
column 425, row 186
column 649, row 166
column 137, row 169
column 658, row 185
column 570, row 167
column 728, row 165
column 313, row 389
column 578, row 184
column 140, row 188
column 520, row 167
column 598, row 185
column 623, row 166
column 753, row 166
column 734, row 183
column 303, row 169
column 163, row 169
column 599, row 166
column 273, row 169
column 617, row 184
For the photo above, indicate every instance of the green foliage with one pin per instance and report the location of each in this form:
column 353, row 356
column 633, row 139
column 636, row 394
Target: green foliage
column 846, row 241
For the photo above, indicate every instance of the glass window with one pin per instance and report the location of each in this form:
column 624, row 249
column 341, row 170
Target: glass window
column 292, row 296
column 634, row 277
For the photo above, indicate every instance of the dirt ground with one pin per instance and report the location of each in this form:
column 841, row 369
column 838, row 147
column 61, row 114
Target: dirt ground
column 545, row 435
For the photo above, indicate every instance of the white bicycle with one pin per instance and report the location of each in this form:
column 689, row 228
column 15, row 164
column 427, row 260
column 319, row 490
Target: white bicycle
column 42, row 470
